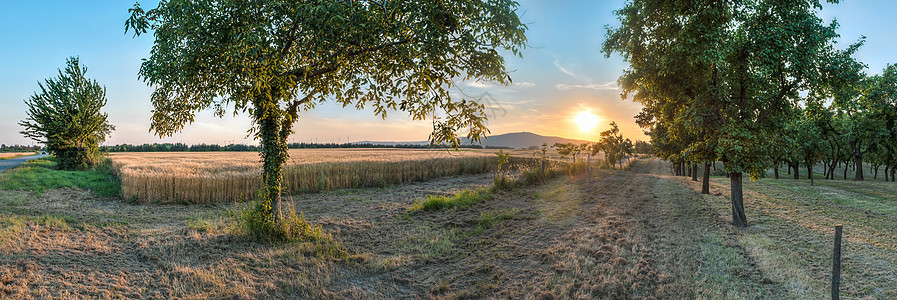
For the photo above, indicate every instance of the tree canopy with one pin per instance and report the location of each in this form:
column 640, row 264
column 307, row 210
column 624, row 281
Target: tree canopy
column 276, row 59
column 719, row 79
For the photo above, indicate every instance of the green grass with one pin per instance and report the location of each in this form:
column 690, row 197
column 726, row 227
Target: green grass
column 460, row 199
column 40, row 175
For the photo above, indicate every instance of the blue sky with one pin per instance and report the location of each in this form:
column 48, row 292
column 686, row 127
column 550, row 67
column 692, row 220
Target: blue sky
column 561, row 73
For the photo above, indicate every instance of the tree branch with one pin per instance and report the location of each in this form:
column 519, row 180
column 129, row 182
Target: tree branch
column 303, row 74
column 778, row 98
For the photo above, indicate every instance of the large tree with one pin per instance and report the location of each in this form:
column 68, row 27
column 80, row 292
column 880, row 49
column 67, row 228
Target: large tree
column 737, row 67
column 66, row 116
column 276, row 59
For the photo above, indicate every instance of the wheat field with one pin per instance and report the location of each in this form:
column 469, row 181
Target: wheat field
column 202, row 177
column 14, row 154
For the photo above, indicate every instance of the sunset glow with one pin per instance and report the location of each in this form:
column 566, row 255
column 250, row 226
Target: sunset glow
column 587, row 121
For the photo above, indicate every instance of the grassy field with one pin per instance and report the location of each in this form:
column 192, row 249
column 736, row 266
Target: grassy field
column 40, row 175
column 612, row 235
column 202, row 177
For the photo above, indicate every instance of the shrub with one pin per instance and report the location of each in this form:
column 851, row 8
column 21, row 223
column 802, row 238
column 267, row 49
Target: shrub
column 259, row 223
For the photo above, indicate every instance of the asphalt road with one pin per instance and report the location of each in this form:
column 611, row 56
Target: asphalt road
column 12, row 162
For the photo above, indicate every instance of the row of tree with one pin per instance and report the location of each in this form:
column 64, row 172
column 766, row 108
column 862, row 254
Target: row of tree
column 611, row 142
column 749, row 83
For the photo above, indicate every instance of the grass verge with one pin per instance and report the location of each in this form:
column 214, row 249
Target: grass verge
column 40, row 175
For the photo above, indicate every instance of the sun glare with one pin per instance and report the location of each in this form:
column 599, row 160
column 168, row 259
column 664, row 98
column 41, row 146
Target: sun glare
column 586, row 120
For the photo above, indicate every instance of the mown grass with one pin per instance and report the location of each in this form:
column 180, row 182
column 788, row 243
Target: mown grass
column 791, row 233
column 441, row 242
column 40, row 175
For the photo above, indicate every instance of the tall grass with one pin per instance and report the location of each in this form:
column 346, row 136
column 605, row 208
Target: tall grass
column 185, row 179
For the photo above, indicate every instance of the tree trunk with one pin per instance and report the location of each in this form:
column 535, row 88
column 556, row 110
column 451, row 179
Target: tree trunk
column 846, row 166
column 796, row 167
column 886, row 173
column 776, row 170
column 893, row 168
column 875, row 173
column 857, row 162
column 831, row 171
column 589, row 164
column 694, row 171
column 705, row 185
column 738, row 217
column 810, row 173
column 274, row 155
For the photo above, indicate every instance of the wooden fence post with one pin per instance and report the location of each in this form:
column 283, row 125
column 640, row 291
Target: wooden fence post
column 836, row 263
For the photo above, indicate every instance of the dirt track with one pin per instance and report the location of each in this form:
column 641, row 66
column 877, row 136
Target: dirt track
column 615, row 234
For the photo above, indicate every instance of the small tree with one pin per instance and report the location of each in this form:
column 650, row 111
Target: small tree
column 565, row 149
column 543, row 156
column 66, row 116
column 613, row 144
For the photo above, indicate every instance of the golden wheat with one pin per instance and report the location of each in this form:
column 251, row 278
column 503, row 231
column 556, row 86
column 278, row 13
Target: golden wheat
column 14, row 154
column 200, row 177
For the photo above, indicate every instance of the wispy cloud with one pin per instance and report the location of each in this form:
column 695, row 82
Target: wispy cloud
column 477, row 84
column 525, row 84
column 563, row 69
column 612, row 85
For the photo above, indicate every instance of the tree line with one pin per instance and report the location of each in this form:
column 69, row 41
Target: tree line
column 181, row 147
column 19, row 148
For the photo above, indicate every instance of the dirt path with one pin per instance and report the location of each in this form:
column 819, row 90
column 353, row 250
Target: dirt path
column 612, row 235
column 615, row 234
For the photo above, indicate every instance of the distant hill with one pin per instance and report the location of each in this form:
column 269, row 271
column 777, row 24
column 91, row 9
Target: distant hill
column 515, row 140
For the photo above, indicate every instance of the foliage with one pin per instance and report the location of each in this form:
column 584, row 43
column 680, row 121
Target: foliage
column 42, row 174
column 643, row 147
column 614, row 145
column 275, row 59
column 66, row 116
column 565, row 149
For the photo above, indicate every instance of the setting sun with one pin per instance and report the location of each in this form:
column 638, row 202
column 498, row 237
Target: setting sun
column 587, row 121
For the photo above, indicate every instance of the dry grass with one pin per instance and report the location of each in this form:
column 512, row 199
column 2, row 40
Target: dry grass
column 8, row 155
column 614, row 235
column 228, row 176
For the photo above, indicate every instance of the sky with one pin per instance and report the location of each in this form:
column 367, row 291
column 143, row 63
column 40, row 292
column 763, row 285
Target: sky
column 562, row 73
